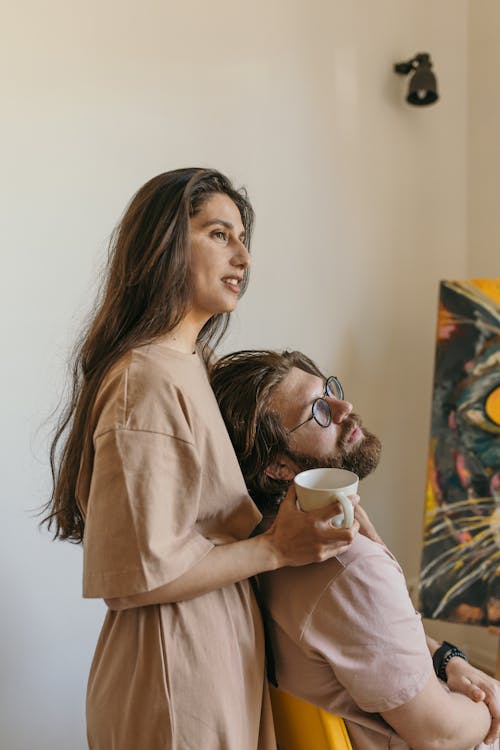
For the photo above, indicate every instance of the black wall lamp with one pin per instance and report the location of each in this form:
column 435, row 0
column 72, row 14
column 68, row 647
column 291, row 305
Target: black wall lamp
column 423, row 85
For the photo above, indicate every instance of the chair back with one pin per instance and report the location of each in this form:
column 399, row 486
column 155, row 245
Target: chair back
column 302, row 726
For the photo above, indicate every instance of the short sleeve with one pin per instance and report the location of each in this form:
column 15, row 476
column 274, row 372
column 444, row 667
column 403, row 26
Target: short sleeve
column 366, row 627
column 141, row 513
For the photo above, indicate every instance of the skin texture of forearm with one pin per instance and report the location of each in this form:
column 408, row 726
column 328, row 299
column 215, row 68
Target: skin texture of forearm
column 439, row 720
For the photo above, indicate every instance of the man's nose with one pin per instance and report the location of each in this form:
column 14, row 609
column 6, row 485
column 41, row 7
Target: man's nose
column 339, row 409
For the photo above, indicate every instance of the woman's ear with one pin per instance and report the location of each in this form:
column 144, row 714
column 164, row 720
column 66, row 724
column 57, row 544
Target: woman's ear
column 281, row 468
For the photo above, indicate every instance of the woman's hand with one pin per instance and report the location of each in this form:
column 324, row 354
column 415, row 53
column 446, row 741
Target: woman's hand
column 366, row 527
column 300, row 538
column 478, row 686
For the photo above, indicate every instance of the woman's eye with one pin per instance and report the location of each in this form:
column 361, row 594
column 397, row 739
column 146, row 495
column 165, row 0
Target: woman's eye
column 220, row 235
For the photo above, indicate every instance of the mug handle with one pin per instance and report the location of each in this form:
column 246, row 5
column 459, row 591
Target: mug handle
column 346, row 518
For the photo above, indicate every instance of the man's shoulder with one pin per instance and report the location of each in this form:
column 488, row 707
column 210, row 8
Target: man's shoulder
column 361, row 552
column 344, row 621
column 293, row 593
column 363, row 547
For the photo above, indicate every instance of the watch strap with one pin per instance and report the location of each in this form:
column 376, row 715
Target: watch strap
column 442, row 656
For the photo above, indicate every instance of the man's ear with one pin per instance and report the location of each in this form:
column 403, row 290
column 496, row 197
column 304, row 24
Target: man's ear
column 281, row 468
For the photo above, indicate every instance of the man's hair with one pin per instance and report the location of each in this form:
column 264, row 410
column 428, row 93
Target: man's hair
column 243, row 383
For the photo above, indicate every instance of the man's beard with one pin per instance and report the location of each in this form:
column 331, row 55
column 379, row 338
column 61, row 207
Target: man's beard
column 362, row 458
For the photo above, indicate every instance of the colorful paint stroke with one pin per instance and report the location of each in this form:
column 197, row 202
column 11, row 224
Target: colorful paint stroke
column 460, row 574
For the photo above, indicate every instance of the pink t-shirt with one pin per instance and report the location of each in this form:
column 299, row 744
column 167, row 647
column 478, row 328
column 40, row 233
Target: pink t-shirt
column 347, row 638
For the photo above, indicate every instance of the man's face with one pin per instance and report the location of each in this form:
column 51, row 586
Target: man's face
column 344, row 443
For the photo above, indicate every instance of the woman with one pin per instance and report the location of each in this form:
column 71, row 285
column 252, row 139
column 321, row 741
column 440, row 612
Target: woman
column 148, row 480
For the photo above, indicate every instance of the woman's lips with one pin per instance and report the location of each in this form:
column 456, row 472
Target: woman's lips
column 232, row 283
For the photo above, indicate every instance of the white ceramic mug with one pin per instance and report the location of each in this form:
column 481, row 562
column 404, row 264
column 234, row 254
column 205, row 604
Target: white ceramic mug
column 319, row 487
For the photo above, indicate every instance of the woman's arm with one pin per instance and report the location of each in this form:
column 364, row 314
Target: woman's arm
column 295, row 538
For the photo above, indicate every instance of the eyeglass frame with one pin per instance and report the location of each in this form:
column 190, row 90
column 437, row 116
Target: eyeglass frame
column 327, row 392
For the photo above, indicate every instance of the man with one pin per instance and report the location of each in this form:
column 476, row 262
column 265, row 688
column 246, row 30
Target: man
column 345, row 634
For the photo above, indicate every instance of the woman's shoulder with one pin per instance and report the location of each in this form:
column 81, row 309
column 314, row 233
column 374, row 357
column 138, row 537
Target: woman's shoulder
column 143, row 390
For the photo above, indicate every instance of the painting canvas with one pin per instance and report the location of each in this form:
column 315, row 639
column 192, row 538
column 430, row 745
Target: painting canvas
column 460, row 572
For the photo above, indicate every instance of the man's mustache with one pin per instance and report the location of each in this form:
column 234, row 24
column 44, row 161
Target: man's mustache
column 348, row 426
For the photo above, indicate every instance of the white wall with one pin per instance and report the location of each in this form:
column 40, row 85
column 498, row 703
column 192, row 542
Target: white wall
column 483, row 217
column 361, row 204
column 483, row 183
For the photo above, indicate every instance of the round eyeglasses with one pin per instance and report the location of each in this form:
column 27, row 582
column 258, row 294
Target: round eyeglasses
column 320, row 408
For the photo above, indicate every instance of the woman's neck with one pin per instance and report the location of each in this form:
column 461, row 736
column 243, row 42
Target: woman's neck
column 184, row 336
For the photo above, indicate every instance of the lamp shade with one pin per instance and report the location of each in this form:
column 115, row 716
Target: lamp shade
column 423, row 87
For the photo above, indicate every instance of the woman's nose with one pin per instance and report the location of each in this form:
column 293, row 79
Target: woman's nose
column 241, row 257
column 339, row 409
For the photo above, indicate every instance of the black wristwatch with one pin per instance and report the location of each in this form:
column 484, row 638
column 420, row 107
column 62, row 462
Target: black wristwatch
column 442, row 656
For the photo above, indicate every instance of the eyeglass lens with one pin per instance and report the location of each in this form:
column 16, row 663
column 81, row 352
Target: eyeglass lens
column 321, row 410
column 333, row 388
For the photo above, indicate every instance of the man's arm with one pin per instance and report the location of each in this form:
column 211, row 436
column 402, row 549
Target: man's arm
column 436, row 719
column 463, row 678
column 367, row 629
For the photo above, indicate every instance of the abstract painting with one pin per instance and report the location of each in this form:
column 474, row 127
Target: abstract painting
column 460, row 572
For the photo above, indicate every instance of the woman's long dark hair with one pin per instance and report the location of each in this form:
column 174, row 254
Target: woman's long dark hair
column 146, row 293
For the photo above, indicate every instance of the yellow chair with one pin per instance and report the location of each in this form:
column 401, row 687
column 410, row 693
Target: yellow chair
column 302, row 726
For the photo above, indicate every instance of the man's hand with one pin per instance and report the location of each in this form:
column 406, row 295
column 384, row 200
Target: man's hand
column 300, row 538
column 478, row 686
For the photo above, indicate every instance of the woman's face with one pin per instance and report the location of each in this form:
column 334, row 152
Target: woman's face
column 219, row 257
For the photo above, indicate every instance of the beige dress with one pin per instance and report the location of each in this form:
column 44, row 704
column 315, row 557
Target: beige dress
column 159, row 487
